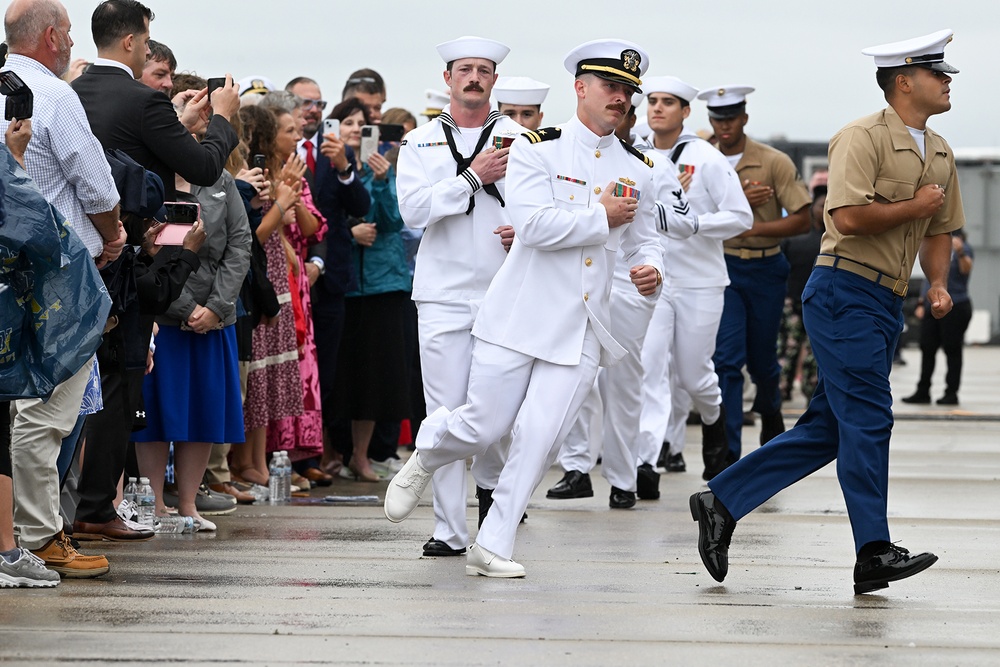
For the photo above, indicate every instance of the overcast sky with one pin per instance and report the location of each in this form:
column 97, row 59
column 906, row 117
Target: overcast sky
column 802, row 56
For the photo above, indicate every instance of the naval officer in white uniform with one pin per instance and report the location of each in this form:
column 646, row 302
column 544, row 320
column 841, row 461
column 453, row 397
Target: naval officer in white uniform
column 576, row 194
column 619, row 399
column 450, row 183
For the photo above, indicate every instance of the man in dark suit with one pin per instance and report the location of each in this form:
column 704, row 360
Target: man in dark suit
column 130, row 116
column 126, row 114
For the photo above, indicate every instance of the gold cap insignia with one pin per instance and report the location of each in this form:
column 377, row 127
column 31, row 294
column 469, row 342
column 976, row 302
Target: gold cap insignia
column 722, row 91
column 631, row 60
column 909, row 60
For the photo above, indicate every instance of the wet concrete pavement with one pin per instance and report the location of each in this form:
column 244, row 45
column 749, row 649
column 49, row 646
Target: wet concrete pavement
column 320, row 584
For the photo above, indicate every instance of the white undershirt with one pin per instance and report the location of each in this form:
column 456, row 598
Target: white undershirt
column 918, row 136
column 734, row 159
column 471, row 136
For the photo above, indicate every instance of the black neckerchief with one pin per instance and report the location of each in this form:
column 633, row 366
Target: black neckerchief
column 447, row 122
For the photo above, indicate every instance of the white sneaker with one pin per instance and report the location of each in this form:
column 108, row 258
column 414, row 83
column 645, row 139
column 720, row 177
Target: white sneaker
column 28, row 571
column 405, row 489
column 388, row 468
column 486, row 563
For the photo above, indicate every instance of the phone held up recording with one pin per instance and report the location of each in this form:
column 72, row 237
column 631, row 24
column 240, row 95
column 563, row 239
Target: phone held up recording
column 213, row 85
column 180, row 217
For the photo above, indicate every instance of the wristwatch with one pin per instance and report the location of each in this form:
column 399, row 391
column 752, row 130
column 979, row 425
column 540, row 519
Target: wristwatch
column 347, row 171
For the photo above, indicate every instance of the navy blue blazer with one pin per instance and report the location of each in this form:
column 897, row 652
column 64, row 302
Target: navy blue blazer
column 338, row 202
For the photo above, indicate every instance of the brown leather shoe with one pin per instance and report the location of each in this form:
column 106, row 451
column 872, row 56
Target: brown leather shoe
column 60, row 556
column 113, row 531
column 242, row 497
column 318, row 477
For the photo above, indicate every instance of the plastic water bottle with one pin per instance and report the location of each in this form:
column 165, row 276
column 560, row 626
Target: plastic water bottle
column 286, row 477
column 146, row 502
column 174, row 525
column 274, row 484
column 131, row 489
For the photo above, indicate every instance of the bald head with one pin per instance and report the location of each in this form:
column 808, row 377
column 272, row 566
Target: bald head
column 26, row 21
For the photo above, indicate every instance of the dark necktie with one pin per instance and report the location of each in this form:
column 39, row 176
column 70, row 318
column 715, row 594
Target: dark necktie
column 310, row 159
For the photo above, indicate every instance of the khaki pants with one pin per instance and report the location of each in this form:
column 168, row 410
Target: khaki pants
column 38, row 430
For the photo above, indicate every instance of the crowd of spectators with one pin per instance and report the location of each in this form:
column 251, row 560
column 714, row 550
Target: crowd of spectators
column 278, row 319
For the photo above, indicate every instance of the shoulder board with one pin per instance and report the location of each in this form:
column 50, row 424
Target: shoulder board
column 543, row 134
column 636, row 152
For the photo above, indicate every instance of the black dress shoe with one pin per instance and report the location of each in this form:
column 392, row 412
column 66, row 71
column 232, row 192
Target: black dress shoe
column 663, row 458
column 435, row 547
column 574, row 484
column 714, row 445
column 621, row 500
column 892, row 564
column 715, row 530
column 771, row 426
column 647, row 483
column 948, row 399
column 485, row 497
column 675, row 463
column 918, row 398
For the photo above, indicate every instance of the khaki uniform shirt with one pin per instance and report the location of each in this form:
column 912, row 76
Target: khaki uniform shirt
column 875, row 159
column 762, row 164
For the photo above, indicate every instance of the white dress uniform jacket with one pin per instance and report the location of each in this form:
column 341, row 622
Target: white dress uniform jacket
column 459, row 254
column 557, row 277
column 722, row 210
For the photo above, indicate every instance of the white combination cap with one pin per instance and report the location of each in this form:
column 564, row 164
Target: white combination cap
column 725, row 101
column 259, row 85
column 926, row 51
column 610, row 59
column 637, row 99
column 473, row 47
column 670, row 85
column 519, row 90
column 436, row 102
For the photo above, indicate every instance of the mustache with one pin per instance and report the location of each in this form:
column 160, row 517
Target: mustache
column 473, row 87
column 617, row 107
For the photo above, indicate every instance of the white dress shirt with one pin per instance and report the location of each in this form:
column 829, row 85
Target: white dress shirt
column 64, row 158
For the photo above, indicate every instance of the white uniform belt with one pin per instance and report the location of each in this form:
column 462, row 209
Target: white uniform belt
column 752, row 253
column 898, row 286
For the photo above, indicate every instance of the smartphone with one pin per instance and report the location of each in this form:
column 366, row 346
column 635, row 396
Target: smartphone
column 331, row 126
column 369, row 141
column 391, row 132
column 213, row 85
column 180, row 217
column 20, row 100
column 259, row 162
column 500, row 143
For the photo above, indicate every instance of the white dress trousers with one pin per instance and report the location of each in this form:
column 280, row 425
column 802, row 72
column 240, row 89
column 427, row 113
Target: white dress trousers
column 535, row 400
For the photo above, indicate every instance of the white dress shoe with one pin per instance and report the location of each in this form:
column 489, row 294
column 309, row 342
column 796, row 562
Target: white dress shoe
column 405, row 489
column 484, row 562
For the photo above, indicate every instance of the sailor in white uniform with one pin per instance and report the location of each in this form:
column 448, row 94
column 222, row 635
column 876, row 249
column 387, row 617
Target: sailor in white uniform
column 686, row 319
column 450, row 183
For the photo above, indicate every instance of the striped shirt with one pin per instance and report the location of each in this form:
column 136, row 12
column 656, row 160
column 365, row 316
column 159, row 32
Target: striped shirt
column 64, row 158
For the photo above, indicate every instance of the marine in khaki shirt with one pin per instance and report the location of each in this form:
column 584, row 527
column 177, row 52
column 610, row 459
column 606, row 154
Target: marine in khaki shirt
column 770, row 180
column 765, row 169
column 892, row 192
column 875, row 159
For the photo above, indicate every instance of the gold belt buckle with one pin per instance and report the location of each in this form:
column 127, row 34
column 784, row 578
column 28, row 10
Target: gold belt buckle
column 745, row 253
column 900, row 291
